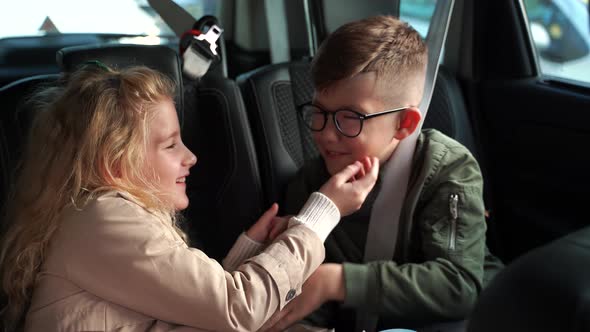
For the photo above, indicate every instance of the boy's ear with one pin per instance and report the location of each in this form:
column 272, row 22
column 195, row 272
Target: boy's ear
column 408, row 122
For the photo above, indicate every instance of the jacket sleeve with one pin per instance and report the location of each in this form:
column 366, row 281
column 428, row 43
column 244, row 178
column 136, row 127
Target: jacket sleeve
column 243, row 248
column 128, row 257
column 451, row 232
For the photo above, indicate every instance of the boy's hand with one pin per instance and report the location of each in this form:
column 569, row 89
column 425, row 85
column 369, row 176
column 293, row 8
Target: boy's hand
column 349, row 187
column 325, row 284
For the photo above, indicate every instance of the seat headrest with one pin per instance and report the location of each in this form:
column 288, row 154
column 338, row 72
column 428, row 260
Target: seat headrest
column 161, row 58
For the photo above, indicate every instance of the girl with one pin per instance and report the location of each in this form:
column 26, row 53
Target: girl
column 93, row 244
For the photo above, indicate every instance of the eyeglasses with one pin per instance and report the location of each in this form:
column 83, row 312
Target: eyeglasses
column 349, row 123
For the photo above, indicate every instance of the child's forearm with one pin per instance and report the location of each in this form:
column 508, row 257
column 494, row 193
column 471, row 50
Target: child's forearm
column 319, row 214
column 243, row 249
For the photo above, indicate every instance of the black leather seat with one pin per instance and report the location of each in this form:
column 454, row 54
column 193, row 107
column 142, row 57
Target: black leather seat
column 447, row 111
column 16, row 117
column 161, row 58
column 545, row 290
column 224, row 187
column 272, row 95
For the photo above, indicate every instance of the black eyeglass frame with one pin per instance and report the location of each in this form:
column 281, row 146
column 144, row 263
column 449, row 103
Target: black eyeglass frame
column 362, row 117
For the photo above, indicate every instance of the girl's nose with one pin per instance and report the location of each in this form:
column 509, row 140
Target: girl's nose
column 190, row 159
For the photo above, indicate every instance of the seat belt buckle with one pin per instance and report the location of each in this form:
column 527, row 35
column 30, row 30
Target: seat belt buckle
column 201, row 51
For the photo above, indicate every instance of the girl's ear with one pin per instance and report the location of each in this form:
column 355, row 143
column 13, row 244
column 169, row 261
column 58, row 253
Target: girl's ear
column 114, row 174
column 409, row 120
column 117, row 172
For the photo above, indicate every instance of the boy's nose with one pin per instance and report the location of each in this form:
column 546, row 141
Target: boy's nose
column 330, row 132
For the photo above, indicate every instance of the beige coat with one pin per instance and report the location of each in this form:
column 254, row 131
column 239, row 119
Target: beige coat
column 113, row 266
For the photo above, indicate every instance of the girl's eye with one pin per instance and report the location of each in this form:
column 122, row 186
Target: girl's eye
column 172, row 146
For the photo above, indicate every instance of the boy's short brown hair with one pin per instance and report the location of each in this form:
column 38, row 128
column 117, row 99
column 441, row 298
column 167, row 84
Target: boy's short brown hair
column 390, row 48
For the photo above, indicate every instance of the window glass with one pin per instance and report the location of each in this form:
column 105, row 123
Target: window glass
column 561, row 34
column 339, row 12
column 418, row 13
column 127, row 17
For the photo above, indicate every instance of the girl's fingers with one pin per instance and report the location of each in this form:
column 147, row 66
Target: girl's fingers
column 278, row 226
column 348, row 172
column 269, row 214
column 368, row 162
column 369, row 180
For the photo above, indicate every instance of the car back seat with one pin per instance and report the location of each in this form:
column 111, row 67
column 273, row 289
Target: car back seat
column 224, row 187
column 15, row 119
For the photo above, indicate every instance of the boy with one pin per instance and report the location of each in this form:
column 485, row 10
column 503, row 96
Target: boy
column 369, row 78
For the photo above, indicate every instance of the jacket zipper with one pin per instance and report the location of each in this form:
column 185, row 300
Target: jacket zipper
column 454, row 211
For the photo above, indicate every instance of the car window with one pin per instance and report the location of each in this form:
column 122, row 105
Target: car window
column 418, row 13
column 126, row 17
column 561, row 34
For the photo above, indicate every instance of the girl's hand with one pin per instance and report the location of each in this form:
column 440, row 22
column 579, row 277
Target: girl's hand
column 260, row 230
column 269, row 226
column 279, row 224
column 349, row 187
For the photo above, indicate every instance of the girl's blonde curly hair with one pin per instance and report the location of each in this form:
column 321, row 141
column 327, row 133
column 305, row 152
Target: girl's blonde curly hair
column 89, row 136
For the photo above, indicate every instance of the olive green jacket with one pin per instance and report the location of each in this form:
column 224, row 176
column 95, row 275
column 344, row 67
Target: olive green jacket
column 437, row 270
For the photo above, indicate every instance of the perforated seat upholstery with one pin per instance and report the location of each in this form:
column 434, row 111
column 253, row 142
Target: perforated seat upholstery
column 271, row 95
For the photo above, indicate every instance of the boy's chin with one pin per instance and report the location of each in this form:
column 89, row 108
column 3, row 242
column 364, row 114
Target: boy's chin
column 334, row 167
